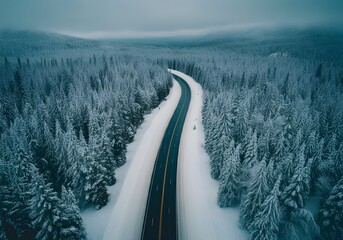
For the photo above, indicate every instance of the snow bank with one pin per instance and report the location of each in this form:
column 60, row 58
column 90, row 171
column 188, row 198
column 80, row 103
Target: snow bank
column 122, row 217
column 199, row 216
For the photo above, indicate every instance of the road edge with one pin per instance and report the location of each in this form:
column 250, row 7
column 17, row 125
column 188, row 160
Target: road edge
column 127, row 215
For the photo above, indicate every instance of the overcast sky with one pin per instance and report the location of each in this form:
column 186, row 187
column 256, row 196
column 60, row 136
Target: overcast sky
column 153, row 17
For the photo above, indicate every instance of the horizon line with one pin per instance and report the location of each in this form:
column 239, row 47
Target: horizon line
column 132, row 34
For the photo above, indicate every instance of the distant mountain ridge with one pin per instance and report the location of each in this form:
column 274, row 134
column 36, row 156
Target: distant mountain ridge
column 18, row 43
column 27, row 43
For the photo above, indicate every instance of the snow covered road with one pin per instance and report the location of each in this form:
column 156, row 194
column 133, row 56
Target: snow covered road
column 199, row 216
column 160, row 220
column 128, row 213
column 122, row 217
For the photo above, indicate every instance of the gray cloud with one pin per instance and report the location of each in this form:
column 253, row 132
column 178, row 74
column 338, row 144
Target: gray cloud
column 114, row 16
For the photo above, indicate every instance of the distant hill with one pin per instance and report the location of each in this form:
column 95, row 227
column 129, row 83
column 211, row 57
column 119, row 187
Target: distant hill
column 23, row 43
column 265, row 41
column 280, row 41
column 320, row 39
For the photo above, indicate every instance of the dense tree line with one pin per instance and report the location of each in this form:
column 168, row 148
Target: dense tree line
column 64, row 127
column 274, row 134
column 272, row 114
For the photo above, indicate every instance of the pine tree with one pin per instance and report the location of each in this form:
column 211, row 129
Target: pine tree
column 331, row 214
column 94, row 187
column 42, row 147
column 281, row 147
column 297, row 191
column 339, row 160
column 317, row 162
column 221, row 140
column 331, row 148
column 308, row 169
column 2, row 228
column 324, row 122
column 106, row 159
column 250, row 156
column 211, row 141
column 287, row 169
column 256, row 194
column 327, row 167
column 271, row 175
column 15, row 195
column 300, row 226
column 217, row 157
column 229, row 182
column 264, row 144
column 117, row 138
column 19, row 91
column 285, row 86
column 241, row 125
column 60, row 148
column 70, row 214
column 312, row 144
column 94, row 59
column 105, row 156
column 74, row 165
column 298, row 141
column 267, row 221
column 14, row 208
column 245, row 142
column 44, row 210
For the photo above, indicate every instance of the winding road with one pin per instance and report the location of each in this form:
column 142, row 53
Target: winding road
column 160, row 221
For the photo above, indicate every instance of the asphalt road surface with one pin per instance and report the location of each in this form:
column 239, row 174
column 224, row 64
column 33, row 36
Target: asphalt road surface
column 160, row 221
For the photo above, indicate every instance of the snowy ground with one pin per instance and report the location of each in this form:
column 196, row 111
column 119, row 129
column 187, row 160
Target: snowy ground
column 199, row 216
column 122, row 217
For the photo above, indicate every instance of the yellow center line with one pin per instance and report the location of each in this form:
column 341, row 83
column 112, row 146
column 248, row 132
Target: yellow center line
column 165, row 173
